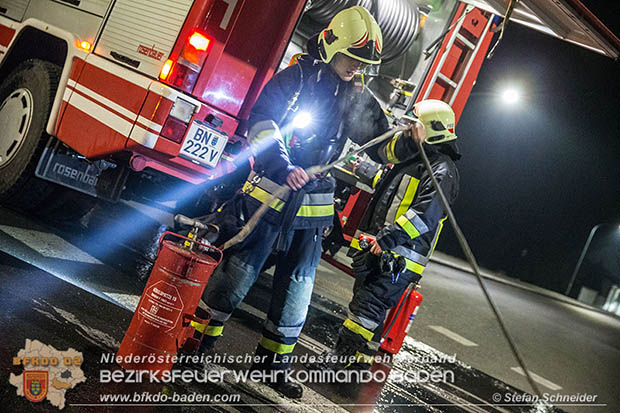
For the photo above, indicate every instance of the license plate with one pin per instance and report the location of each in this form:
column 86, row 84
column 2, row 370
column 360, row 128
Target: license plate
column 203, row 144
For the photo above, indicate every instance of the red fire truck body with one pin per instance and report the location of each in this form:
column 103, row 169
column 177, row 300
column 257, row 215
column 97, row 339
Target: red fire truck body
column 113, row 100
column 168, row 85
column 141, row 106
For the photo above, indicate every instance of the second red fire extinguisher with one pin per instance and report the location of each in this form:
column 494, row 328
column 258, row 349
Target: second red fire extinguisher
column 398, row 322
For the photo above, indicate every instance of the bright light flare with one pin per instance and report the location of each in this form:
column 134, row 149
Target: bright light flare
column 166, row 69
column 302, row 120
column 199, row 41
column 84, row 45
column 511, row 96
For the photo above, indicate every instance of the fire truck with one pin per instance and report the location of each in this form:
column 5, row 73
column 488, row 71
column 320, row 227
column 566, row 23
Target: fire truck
column 98, row 94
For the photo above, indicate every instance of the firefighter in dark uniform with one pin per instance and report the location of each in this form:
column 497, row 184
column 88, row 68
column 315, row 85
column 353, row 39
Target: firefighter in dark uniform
column 403, row 221
column 302, row 118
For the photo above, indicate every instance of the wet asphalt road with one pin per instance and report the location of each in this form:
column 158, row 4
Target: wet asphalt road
column 40, row 306
column 566, row 346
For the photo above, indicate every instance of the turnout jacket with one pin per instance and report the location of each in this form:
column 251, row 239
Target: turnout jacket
column 406, row 214
column 337, row 112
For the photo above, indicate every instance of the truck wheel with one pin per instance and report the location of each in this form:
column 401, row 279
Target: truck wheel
column 26, row 98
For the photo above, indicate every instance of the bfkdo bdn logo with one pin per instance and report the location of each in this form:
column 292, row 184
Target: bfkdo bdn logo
column 35, row 385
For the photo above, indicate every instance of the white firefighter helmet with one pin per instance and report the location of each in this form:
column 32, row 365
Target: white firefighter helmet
column 353, row 32
column 438, row 119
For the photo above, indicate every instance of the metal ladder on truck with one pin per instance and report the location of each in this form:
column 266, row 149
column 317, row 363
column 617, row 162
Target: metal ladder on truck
column 459, row 58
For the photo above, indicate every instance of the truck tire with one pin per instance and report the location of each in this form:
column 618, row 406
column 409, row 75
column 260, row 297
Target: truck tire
column 26, row 98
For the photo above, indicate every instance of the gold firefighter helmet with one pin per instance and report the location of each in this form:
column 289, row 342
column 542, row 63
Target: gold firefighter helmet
column 353, row 32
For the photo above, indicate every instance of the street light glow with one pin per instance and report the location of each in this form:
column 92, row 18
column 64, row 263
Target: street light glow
column 511, row 96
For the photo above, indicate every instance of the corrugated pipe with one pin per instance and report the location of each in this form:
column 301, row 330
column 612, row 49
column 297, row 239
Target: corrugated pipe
column 399, row 20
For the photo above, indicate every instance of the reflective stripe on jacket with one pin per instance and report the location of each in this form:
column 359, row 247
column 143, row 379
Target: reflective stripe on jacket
column 338, row 112
column 316, row 209
column 406, row 215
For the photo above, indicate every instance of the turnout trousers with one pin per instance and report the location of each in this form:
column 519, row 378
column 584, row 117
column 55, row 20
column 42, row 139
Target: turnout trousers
column 373, row 296
column 292, row 285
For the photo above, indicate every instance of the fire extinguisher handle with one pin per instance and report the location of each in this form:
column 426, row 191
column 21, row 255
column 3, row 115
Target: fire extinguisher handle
column 190, row 317
column 183, row 220
column 207, row 246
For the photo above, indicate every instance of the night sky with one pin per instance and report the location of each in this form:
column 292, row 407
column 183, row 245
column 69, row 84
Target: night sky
column 536, row 177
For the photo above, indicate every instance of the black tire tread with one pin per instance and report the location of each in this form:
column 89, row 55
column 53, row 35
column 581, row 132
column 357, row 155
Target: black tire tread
column 37, row 190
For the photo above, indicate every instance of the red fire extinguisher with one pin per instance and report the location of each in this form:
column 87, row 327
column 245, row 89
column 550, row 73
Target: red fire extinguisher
column 399, row 320
column 161, row 325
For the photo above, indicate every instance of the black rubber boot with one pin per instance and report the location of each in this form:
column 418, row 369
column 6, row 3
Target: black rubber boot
column 279, row 366
column 207, row 344
column 346, row 353
column 200, row 344
column 207, row 341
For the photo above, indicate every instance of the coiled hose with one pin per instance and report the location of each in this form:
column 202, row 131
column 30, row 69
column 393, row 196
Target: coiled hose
column 399, row 21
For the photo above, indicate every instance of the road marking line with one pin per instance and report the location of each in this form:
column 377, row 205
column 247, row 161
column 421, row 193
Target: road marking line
column 538, row 379
column 476, row 398
column 49, row 245
column 129, row 301
column 452, row 335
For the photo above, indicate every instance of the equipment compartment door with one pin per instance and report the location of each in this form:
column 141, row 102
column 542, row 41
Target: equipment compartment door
column 14, row 9
column 140, row 34
column 96, row 7
column 80, row 17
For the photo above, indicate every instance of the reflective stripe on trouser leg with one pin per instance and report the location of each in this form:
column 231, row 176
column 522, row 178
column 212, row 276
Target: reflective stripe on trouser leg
column 276, row 346
column 365, row 354
column 292, row 290
column 364, row 322
column 358, row 329
column 275, row 351
column 208, row 334
column 273, row 355
column 361, row 338
column 213, row 329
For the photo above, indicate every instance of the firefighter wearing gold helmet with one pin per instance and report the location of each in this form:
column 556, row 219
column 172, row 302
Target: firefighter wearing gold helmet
column 303, row 117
